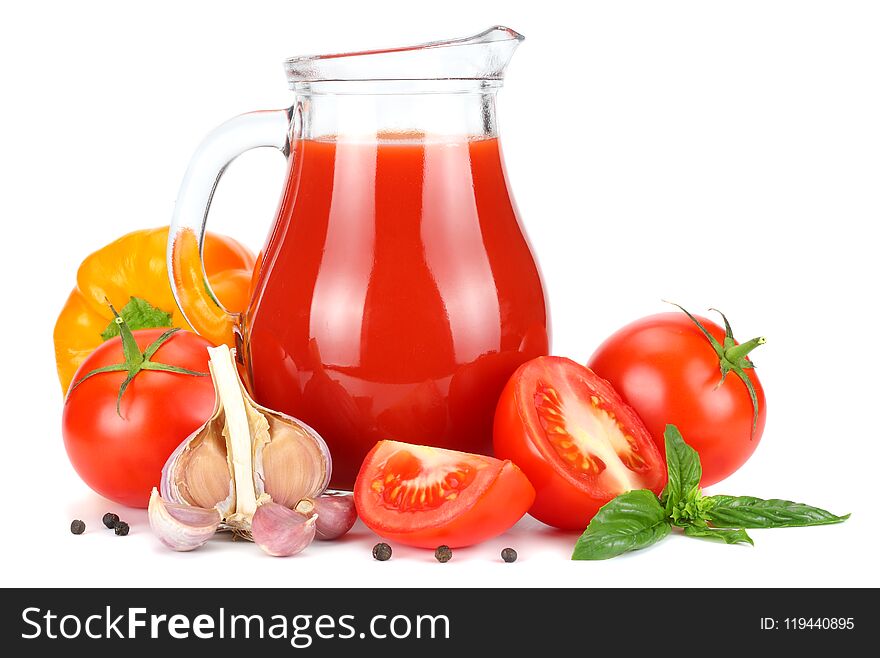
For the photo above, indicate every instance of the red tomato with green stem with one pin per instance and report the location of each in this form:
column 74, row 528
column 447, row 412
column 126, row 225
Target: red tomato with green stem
column 133, row 401
column 575, row 439
column 688, row 371
column 425, row 496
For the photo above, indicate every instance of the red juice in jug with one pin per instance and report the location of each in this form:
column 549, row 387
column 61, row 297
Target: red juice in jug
column 395, row 296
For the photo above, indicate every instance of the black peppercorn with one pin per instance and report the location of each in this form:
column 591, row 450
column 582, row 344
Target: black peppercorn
column 508, row 555
column 110, row 520
column 382, row 551
column 443, row 553
column 121, row 528
column 77, row 527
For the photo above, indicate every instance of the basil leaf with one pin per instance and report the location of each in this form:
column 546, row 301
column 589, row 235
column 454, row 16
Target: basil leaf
column 683, row 468
column 750, row 512
column 138, row 314
column 631, row 521
column 727, row 535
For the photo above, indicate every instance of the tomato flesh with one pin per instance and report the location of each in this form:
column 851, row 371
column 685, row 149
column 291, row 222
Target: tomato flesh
column 425, row 496
column 575, row 439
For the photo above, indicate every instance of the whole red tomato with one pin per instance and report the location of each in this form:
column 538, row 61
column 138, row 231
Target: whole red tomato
column 121, row 454
column 667, row 369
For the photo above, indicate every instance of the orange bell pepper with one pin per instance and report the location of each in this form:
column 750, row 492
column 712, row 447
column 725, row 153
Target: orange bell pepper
column 135, row 266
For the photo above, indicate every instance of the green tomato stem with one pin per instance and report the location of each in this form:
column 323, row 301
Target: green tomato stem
column 737, row 353
column 732, row 358
column 135, row 360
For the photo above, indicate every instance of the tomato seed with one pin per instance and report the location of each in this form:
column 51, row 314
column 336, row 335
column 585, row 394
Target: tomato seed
column 382, row 552
column 77, row 527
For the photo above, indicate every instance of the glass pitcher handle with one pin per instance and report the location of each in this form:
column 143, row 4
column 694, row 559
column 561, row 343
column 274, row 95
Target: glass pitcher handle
column 189, row 283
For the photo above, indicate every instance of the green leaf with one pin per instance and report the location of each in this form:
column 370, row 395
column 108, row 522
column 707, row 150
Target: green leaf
column 727, row 535
column 138, row 314
column 750, row 512
column 683, row 468
column 631, row 521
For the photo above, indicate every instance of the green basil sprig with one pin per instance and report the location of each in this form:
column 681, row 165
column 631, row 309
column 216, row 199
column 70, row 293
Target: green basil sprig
column 637, row 519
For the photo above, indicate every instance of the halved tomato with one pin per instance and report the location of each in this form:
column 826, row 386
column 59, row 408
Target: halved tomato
column 424, row 496
column 576, row 440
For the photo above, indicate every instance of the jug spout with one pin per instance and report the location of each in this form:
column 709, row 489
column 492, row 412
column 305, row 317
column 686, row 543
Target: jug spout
column 483, row 56
column 491, row 49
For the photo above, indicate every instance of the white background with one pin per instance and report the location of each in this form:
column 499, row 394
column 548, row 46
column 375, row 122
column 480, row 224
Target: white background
column 718, row 154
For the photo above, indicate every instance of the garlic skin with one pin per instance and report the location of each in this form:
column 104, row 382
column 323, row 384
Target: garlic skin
column 281, row 531
column 336, row 514
column 243, row 455
column 181, row 527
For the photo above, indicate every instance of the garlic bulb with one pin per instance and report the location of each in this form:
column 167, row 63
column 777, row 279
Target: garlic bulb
column 243, row 456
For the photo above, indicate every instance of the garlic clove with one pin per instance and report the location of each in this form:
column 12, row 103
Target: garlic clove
column 197, row 472
column 295, row 463
column 280, row 531
column 181, row 527
column 336, row 514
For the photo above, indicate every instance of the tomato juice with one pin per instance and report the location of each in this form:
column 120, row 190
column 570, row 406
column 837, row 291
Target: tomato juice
column 395, row 296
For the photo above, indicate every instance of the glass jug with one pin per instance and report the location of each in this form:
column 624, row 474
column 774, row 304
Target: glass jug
column 396, row 292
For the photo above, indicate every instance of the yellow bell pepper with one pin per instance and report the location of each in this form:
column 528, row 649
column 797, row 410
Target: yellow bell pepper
column 135, row 266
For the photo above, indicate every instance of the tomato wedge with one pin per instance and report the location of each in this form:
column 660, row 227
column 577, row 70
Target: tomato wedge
column 424, row 496
column 576, row 440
